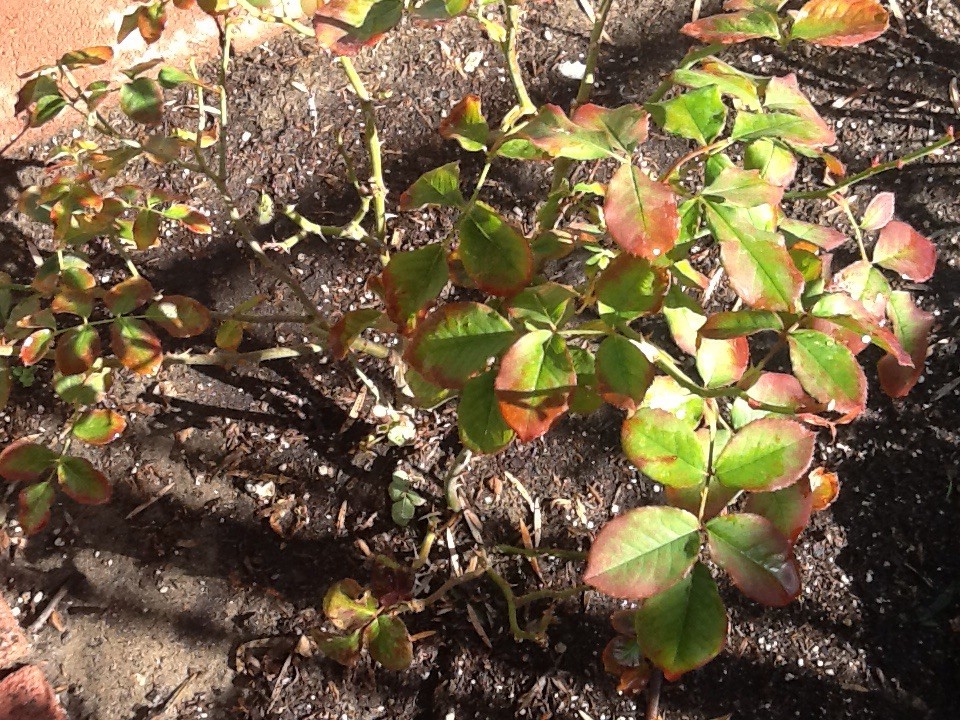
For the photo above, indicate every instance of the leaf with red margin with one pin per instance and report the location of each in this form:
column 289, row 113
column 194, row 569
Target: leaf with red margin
column 840, row 23
column 643, row 552
column 348, row 328
column 664, row 447
column 77, row 349
column 495, row 255
column 534, row 383
column 467, row 125
column 743, row 188
column 389, row 642
column 36, row 346
column 479, row 418
column 99, row 427
column 912, row 327
column 780, row 389
column 698, row 115
column 136, row 346
column 25, row 461
column 775, row 162
column 35, row 502
column 735, row 27
column 766, row 454
column 96, row 55
column 879, row 212
column 828, row 371
column 626, row 126
column 685, row 626
column 826, row 238
column 729, row 81
column 866, row 284
column 345, row 26
column 684, row 317
column 740, row 323
column 824, row 488
column 902, row 249
column 842, row 310
column 439, row 187
column 622, row 658
column 412, row 280
column 193, row 220
column 83, row 482
column 553, row 132
column 623, row 372
column 787, row 509
column 348, row 605
column 456, row 341
column 128, row 295
column 179, row 315
column 630, row 287
column 722, row 362
column 641, row 214
column 783, row 94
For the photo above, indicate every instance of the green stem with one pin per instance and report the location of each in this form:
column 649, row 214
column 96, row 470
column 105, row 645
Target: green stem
column 511, row 599
column 225, row 357
column 266, row 17
column 511, row 18
column 553, row 595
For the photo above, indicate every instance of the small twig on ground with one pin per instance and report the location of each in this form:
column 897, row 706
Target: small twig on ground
column 144, row 505
column 42, row 618
column 175, row 696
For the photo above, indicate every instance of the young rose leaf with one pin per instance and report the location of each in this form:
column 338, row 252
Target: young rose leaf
column 824, row 488
column 866, row 284
column 349, row 606
column 765, row 455
column 136, row 346
column 664, row 447
column 36, row 346
column 912, row 327
column 389, row 642
column 735, row 27
column 828, row 371
column 775, row 389
column 455, row 342
column 722, row 362
column 545, row 306
column 843, row 311
column 625, row 127
column 553, row 132
column 25, row 461
column 128, row 295
column 729, row 81
column 757, row 262
column 179, row 315
column 740, row 323
column 84, row 389
column 698, row 115
column 77, row 349
column 743, row 188
column 775, row 163
column 641, row 214
column 534, row 383
column 495, row 254
column 689, row 498
column 99, row 427
column 146, row 229
column 879, row 212
column 790, row 128
column 629, row 288
column 902, row 249
column 467, row 125
column 665, row 393
column 481, row 424
column 34, row 505
column 643, row 552
column 142, row 101
column 439, row 187
column 83, row 482
column 412, row 280
column 787, row 509
column 623, row 372
column 343, row 649
column 840, row 23
column 685, row 626
column 585, row 398
column 97, row 55
column 825, row 238
column 348, row 328
column 757, row 557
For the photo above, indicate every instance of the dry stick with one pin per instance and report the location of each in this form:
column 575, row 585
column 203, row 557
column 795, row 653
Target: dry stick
column 42, row 618
column 653, row 695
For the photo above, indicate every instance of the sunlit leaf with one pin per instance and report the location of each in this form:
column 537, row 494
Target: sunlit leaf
column 744, row 188
column 698, row 115
column 553, row 132
column 734, row 27
column 879, row 212
column 902, row 249
column 664, row 447
column 348, row 606
column 722, row 362
column 82, row 481
column 864, row 283
column 729, row 81
column 439, row 187
column 740, row 323
column 127, row 296
column 99, row 427
column 546, row 306
column 25, row 461
column 840, row 23
column 826, row 238
column 136, row 346
column 625, row 126
column 142, row 101
column 77, row 349
column 767, row 454
column 348, row 328
column 494, row 253
column 824, row 487
column 665, row 393
column 36, row 346
column 389, row 642
column 179, row 315
column 629, row 288
column 641, row 214
column 776, row 163
column 96, row 55
column 787, row 509
column 828, row 371
column 912, row 327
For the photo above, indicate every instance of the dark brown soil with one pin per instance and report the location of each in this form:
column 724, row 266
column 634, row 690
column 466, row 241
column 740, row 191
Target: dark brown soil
column 200, row 583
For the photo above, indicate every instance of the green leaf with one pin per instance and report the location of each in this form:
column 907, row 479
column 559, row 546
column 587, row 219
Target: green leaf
column 412, row 280
column 35, row 502
column 629, row 288
column 684, row 317
column 729, row 81
column 640, row 213
column 545, row 306
column 135, row 345
column 46, row 109
column 787, row 509
column 750, row 126
column 756, row 556
column 843, row 311
column 179, row 315
column 342, row 335
column 467, row 125
column 25, row 461
column 96, row 55
column 170, row 78
column 826, row 238
column 623, row 372
column 349, row 606
column 99, row 427
column 481, row 424
column 828, row 371
column 455, row 342
column 422, row 393
column 722, row 362
column 534, row 383
column 389, row 642
column 775, row 163
column 142, row 101
column 83, row 482
column 643, row 552
column 698, row 115
column 744, row 188
column 766, row 454
column 740, row 323
column 685, row 626
column 439, row 187
column 864, row 283
column 85, row 389
column 665, row 393
column 840, row 23
column 912, row 327
column 494, row 253
column 344, row 649
column 625, row 126
column 585, row 398
column 664, row 447
column 734, row 27
column 127, row 296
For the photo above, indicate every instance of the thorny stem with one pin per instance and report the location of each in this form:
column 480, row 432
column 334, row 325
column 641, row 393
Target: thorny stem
column 225, row 357
column 538, row 552
column 511, row 16
column 943, row 142
column 549, row 594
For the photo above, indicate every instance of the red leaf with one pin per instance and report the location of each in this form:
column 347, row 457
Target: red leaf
column 905, row 251
column 840, row 23
column 879, row 212
column 912, row 327
column 641, row 213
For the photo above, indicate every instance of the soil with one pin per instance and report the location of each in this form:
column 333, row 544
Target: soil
column 197, row 599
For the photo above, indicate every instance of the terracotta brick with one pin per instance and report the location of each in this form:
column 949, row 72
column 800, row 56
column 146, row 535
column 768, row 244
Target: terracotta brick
column 13, row 643
column 26, row 695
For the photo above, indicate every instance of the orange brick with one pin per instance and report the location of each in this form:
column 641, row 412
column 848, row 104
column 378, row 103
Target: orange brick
column 13, row 643
column 26, row 695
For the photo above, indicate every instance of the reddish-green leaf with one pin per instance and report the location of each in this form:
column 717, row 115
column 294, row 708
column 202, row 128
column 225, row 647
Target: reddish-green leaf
column 843, row 311
column 825, row 238
column 912, row 327
column 34, row 505
column 685, row 626
column 344, row 649
column 698, row 115
column 623, row 372
column 412, row 280
column 788, row 127
column 783, row 94
column 757, row 557
column 179, row 315
column 776, row 163
column 534, row 383
column 825, row 487
column 722, row 362
column 689, row 498
column 728, row 80
column 84, row 389
column 193, row 220
column 879, row 212
column 142, row 101
column 839, row 23
column 96, row 55
column 77, row 349
column 99, row 427
column 740, row 323
column 348, row 328
column 495, row 254
column 25, row 461
column 546, row 306
column 467, row 125
column 735, row 27
column 664, row 447
column 629, row 288
column 553, row 132
column 455, row 342
column 766, row 454
column 625, row 127
column 774, row 389
column 349, row 606
column 641, row 214
column 345, row 26
column 828, row 371
column 389, row 642
column 743, row 188
column 902, row 249
column 36, row 346
column 643, row 552
column 439, row 187
column 82, row 481
column 665, row 393
column 684, row 317
column 481, row 424
column 787, row 509
column 128, row 295
column 864, row 283
column 136, row 346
